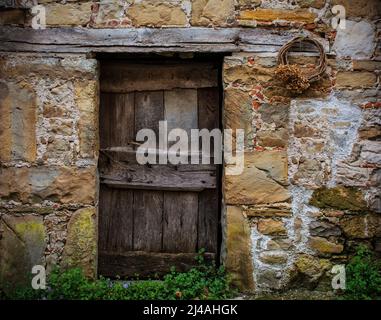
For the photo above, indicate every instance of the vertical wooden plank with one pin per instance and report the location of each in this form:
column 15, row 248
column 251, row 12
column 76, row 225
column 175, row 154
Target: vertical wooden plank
column 122, row 124
column 104, row 119
column 208, row 220
column 148, row 110
column 208, row 111
column 115, row 219
column 116, row 119
column 208, row 118
column 181, row 109
column 208, row 108
column 180, row 222
column 148, row 217
column 148, row 205
column 103, row 217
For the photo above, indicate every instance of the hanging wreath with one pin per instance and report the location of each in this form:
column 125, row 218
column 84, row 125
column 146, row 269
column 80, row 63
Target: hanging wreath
column 291, row 74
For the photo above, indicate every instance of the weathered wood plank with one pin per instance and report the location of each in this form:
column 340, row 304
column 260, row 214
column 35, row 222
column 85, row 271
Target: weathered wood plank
column 105, row 119
column 149, row 110
column 115, row 219
column 127, row 155
column 117, row 120
column 180, row 109
column 196, row 39
column 152, row 187
column 125, row 76
column 208, row 223
column 180, row 222
column 148, row 217
column 158, row 177
column 208, row 108
column 8, row 46
column 146, row 264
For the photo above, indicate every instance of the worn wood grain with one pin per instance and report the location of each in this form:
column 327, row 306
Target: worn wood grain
column 208, row 108
column 149, row 110
column 148, row 217
column 180, row 222
column 127, row 76
column 208, row 223
column 127, row 155
column 156, row 177
column 146, row 264
column 115, row 219
column 180, row 110
column 196, row 39
column 117, row 119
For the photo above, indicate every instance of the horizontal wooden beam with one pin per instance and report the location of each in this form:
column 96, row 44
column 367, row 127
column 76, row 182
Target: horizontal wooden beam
column 163, row 179
column 125, row 76
column 195, row 39
column 146, row 264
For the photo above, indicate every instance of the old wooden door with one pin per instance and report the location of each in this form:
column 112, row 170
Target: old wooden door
column 153, row 217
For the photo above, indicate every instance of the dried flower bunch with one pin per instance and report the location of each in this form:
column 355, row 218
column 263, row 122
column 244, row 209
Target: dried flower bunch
column 292, row 75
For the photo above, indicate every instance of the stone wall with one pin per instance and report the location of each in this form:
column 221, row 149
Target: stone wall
column 310, row 191
column 49, row 136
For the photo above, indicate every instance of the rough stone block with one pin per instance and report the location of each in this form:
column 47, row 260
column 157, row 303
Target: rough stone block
column 281, row 243
column 268, row 15
column 361, row 227
column 367, row 65
column 238, row 259
column 341, row 198
column 272, row 138
column 249, row 2
column 355, row 79
column 271, row 227
column 371, row 152
column 275, row 113
column 81, row 244
column 86, row 96
column 24, row 66
column 22, row 245
column 238, row 114
column 157, row 14
column 59, row 184
column 263, row 179
column 109, row 14
column 273, row 257
column 246, row 75
column 317, row 4
column 68, row 14
column 269, row 279
column 310, row 270
column 324, row 246
column 268, row 211
column 324, row 229
column 18, row 109
column 212, row 12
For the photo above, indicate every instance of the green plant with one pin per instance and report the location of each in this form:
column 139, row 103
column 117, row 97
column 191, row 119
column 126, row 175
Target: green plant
column 363, row 276
column 202, row 282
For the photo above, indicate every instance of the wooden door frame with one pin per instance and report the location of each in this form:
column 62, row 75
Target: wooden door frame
column 187, row 58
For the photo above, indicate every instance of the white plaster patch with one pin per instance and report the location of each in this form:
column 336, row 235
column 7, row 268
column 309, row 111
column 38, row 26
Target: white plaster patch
column 300, row 209
column 355, row 41
column 335, row 124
